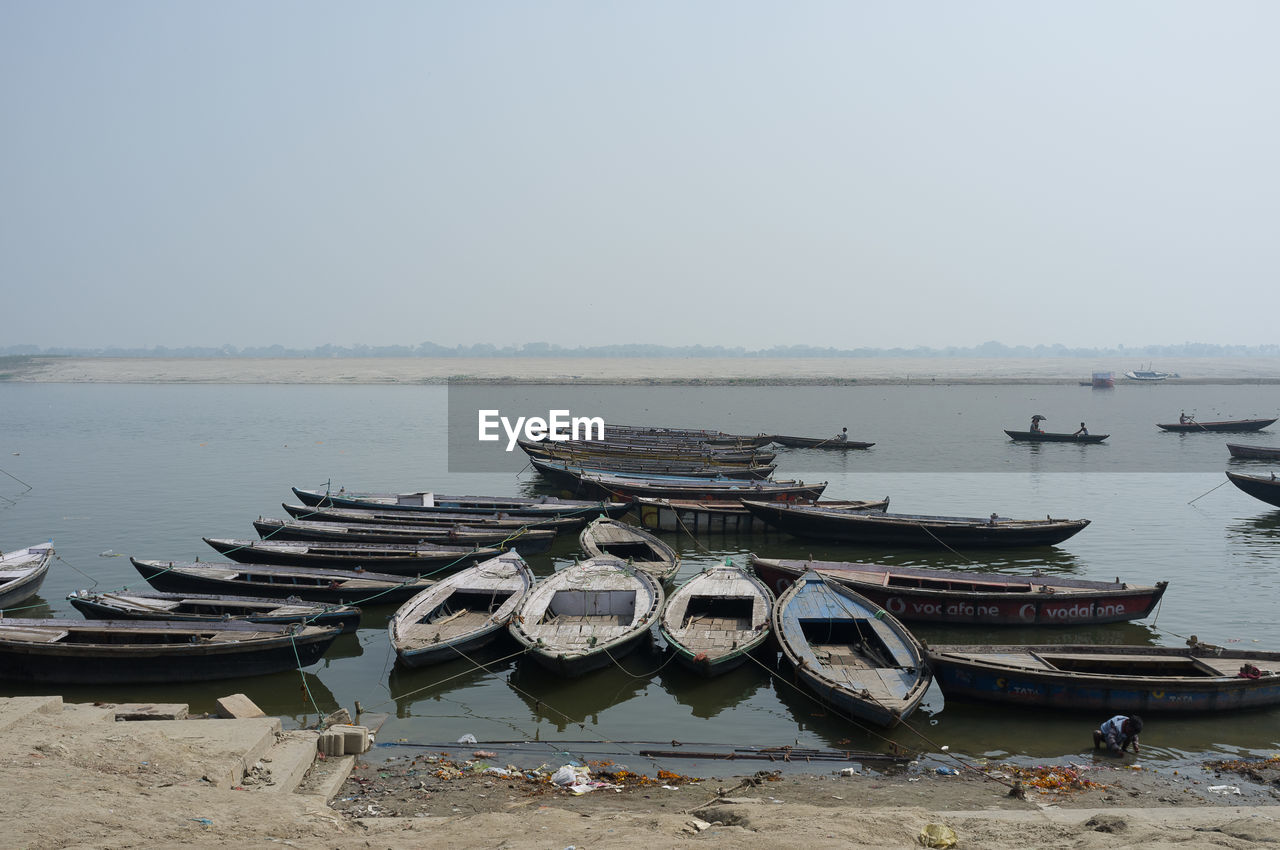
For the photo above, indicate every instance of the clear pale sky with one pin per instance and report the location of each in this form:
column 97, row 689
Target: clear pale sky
column 728, row 173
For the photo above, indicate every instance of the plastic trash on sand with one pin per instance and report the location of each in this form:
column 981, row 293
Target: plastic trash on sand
column 937, row 835
column 1224, row 789
column 569, row 775
column 468, row 739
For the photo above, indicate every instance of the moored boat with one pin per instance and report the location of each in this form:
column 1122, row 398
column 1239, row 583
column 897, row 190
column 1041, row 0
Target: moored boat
column 130, row 651
column 1148, row 375
column 205, row 608
column 22, row 571
column 1262, row 487
column 697, row 517
column 397, row 558
column 848, row 651
column 569, row 473
column 1109, row 679
column 617, row 487
column 1190, row 426
column 460, row 613
column 427, row 519
column 1051, row 437
column 528, row 541
column 872, row 527
column 429, row 502
column 587, row 616
column 713, row 621
column 342, row 587
column 1254, row 452
column 611, row 537
column 964, row 598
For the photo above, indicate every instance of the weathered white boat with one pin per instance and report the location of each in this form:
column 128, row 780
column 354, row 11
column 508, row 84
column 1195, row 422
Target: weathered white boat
column 604, row 536
column 716, row 619
column 22, row 571
column 460, row 613
column 588, row 615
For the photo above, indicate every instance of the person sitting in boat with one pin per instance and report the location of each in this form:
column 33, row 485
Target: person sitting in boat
column 1083, row 432
column 1183, row 418
column 1119, row 733
column 842, row 436
column 1035, row 423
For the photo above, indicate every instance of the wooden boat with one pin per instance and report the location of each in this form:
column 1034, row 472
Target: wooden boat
column 540, row 506
column 114, row 652
column 1108, row 680
column 688, row 435
column 695, row 517
column 714, row 620
column 691, row 489
column 204, row 608
column 1050, row 437
column 1237, row 425
column 1103, row 380
column 426, row 519
column 964, row 598
column 396, row 558
column 578, row 452
column 22, row 571
column 639, row 548
column 1265, row 488
column 341, row 587
column 871, row 527
column 568, row 473
column 857, row 658
column 526, row 540
column 586, row 616
column 461, row 613
column 819, row 443
column 1254, row 452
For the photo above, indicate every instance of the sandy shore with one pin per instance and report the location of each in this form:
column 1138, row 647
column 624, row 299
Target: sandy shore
column 76, row 778
column 422, row 370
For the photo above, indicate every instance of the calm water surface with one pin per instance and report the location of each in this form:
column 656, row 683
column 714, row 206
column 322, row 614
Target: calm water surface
column 108, row 471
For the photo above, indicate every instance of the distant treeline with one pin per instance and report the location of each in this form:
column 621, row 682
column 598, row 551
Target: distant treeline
column 546, row 349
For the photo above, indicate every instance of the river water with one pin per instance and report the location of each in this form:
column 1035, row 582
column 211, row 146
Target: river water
column 108, row 471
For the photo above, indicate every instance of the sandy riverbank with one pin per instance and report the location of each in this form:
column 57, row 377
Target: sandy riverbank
column 422, row 370
column 75, row 779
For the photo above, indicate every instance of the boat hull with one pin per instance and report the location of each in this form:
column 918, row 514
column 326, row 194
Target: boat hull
column 1050, row 437
column 819, row 443
column 1004, row 680
column 1254, row 452
column 1236, row 426
column 1064, row 602
column 1263, row 489
column 715, row 517
column 341, row 587
column 31, row 567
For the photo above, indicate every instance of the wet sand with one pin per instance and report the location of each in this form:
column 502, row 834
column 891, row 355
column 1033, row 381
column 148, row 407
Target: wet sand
column 680, row 371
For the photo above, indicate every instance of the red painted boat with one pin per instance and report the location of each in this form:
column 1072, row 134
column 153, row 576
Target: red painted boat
column 963, row 598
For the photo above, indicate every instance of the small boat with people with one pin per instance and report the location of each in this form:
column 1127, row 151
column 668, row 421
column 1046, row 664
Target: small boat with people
column 110, row 652
column 840, row 442
column 698, row 517
column 605, row 536
column 22, row 572
column 1188, row 425
column 716, row 619
column 1110, row 679
column 1265, row 488
column 398, row 558
column 587, row 616
column 1038, row 435
column 341, row 587
column 460, row 613
column 953, row 532
column 129, row 604
column 1254, row 452
column 975, row 598
column 854, row 656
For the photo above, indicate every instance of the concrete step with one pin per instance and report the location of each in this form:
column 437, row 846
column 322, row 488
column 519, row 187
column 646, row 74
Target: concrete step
column 326, row 776
column 282, row 768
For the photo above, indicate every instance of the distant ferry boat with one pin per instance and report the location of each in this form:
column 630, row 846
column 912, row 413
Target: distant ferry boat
column 1149, row 375
column 1104, row 380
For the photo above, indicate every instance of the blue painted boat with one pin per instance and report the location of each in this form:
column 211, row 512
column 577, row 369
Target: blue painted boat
column 1111, row 679
column 856, row 657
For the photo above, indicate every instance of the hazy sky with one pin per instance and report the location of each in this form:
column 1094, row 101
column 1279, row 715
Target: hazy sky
column 736, row 173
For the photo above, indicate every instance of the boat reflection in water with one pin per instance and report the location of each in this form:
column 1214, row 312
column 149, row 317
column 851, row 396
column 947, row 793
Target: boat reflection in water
column 565, row 702
column 451, row 681
column 709, row 697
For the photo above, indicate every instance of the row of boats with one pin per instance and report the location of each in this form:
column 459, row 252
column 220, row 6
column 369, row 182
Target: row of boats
column 1185, row 425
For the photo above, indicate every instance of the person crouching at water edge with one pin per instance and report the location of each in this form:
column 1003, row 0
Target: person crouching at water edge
column 1118, row 733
